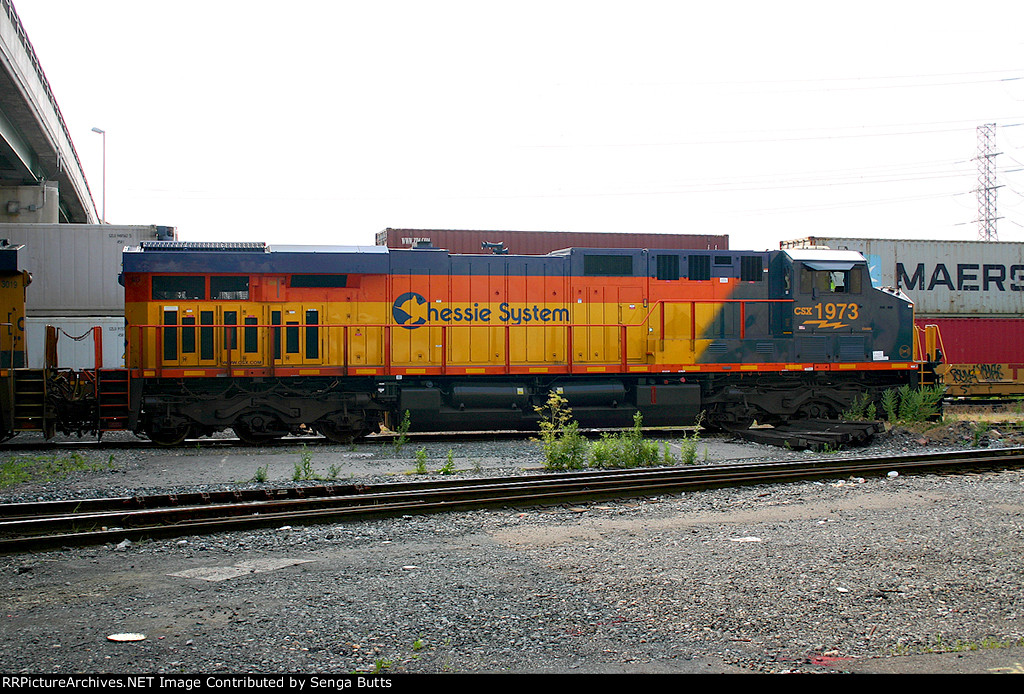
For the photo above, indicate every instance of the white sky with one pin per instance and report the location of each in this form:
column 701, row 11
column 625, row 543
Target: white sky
column 324, row 122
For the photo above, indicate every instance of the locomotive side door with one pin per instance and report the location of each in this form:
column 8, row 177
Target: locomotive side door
column 177, row 344
column 297, row 333
column 191, row 337
column 230, row 350
column 632, row 310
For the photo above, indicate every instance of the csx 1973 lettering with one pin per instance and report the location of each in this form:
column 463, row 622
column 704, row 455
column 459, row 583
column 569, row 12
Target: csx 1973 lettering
column 829, row 311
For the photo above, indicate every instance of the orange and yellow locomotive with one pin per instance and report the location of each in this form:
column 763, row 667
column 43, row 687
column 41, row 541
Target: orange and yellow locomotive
column 268, row 340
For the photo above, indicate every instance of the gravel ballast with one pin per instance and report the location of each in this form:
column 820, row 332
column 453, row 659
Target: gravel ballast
column 807, row 576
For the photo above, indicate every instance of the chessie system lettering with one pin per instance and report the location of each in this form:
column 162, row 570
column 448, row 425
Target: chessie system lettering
column 412, row 310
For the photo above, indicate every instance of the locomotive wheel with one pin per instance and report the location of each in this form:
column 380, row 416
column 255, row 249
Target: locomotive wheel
column 817, row 409
column 257, row 428
column 741, row 424
column 340, row 434
column 171, row 435
column 729, row 417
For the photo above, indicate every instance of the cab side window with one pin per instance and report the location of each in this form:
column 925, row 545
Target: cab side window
column 831, row 281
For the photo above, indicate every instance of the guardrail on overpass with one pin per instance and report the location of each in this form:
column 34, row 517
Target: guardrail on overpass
column 34, row 138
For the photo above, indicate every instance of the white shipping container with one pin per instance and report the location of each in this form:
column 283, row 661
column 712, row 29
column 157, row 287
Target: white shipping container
column 72, row 353
column 943, row 278
column 75, row 266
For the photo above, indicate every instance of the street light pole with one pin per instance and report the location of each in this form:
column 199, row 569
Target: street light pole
column 104, row 134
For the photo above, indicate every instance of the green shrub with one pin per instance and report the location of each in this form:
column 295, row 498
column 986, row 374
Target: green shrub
column 688, row 445
column 627, row 449
column 421, row 462
column 909, row 405
column 666, row 454
column 919, row 404
column 46, row 468
column 568, row 451
column 564, row 446
column 890, row 401
column 402, row 431
column 449, row 466
column 605, row 452
column 862, row 408
column 304, row 468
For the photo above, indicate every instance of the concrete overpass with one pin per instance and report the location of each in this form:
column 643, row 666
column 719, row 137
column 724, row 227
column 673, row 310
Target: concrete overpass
column 35, row 146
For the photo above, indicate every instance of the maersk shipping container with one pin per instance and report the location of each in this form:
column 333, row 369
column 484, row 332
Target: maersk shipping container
column 949, row 279
column 466, row 241
column 75, row 267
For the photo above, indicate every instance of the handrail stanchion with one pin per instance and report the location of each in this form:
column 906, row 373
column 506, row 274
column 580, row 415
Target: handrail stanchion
column 344, row 350
column 159, row 357
column 97, row 347
column 622, row 348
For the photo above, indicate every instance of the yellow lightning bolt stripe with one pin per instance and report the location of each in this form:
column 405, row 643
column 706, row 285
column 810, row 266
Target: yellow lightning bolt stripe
column 825, row 324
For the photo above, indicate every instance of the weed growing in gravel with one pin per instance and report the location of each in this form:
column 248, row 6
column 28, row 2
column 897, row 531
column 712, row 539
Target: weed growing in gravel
column 666, row 454
column 978, row 432
column 421, row 462
column 920, row 404
column 890, row 402
column 905, row 404
column 47, row 468
column 688, row 445
column 449, row 467
column 688, row 449
column 304, row 468
column 862, row 408
column 403, row 430
column 564, row 446
column 628, row 449
column 262, row 473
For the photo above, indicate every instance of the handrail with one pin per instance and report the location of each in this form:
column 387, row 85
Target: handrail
column 387, row 364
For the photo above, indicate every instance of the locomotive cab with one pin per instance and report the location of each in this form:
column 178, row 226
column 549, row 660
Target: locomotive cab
column 839, row 316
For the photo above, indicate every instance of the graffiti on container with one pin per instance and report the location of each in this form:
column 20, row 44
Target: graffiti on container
column 975, row 373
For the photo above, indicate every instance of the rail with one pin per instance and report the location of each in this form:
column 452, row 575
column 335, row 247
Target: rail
column 37, row 525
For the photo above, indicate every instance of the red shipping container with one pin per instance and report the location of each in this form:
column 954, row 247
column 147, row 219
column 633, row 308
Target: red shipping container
column 466, row 241
column 980, row 340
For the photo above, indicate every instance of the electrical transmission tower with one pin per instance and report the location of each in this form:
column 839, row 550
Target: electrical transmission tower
column 987, row 187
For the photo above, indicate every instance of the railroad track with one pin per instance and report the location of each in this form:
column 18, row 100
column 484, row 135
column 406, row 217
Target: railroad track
column 32, row 526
